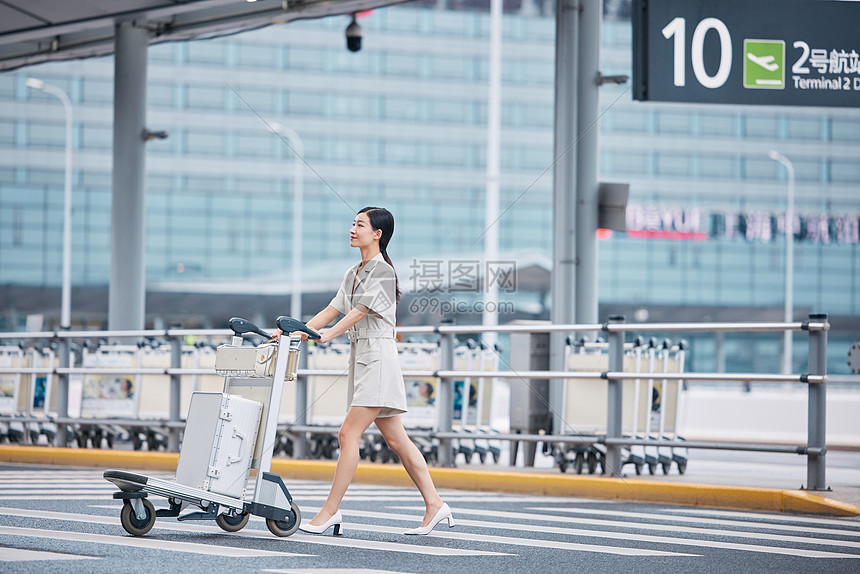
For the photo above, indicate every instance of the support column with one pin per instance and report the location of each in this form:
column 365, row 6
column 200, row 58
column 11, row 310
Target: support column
column 175, row 392
column 564, row 181
column 445, row 398
column 127, row 293
column 615, row 395
column 587, row 110
column 817, row 421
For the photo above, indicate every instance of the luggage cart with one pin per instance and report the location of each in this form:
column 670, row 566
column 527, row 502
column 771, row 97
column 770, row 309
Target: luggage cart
column 222, row 444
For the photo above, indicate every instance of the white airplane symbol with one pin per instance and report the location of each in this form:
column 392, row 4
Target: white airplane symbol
column 765, row 62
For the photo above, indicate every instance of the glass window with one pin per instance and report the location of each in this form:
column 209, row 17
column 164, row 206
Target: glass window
column 257, row 55
column 539, row 72
column 97, row 137
column 673, row 165
column 452, row 67
column 255, row 145
column 627, row 121
column 845, row 130
column 450, row 154
column 159, row 95
column 804, row 128
column 401, row 152
column 717, row 125
column 717, row 167
column 97, row 90
column 448, row 111
column 204, row 142
column 258, row 99
column 206, row 52
column 674, row 122
column 7, row 132
column 404, row 108
column 761, row 127
column 206, row 97
column 627, row 162
column 538, row 115
column 308, row 103
column 844, row 171
column 162, row 53
column 354, row 106
column 301, row 58
column 51, row 135
column 403, row 64
column 7, row 85
column 760, row 169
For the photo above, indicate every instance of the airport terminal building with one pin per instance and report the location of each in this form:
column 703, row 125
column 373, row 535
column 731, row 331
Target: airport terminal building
column 403, row 124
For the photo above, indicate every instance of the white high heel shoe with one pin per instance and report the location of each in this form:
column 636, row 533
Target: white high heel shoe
column 441, row 514
column 336, row 521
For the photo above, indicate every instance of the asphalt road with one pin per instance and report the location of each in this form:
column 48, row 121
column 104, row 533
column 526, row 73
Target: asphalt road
column 57, row 519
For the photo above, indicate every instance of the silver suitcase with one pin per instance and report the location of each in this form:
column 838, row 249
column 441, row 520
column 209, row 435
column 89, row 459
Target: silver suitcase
column 218, row 447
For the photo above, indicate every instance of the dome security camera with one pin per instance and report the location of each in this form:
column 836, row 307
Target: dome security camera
column 353, row 36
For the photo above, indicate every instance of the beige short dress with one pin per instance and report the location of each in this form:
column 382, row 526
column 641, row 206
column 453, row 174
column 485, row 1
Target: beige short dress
column 375, row 379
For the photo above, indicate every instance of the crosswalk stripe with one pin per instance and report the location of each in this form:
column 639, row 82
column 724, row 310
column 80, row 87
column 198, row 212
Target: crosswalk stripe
column 333, row 571
column 150, row 543
column 645, row 537
column 534, row 543
column 24, row 555
column 298, row 537
column 692, row 519
column 848, row 521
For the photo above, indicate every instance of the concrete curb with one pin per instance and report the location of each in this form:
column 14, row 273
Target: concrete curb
column 766, row 499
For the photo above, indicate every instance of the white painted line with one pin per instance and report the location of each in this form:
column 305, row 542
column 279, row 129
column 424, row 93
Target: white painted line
column 335, row 571
column 143, row 542
column 778, row 517
column 23, row 555
column 298, row 537
column 534, row 543
column 647, row 538
column 43, row 497
column 692, row 519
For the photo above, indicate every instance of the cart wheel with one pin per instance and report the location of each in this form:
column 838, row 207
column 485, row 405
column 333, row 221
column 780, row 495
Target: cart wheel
column 288, row 526
column 592, row 462
column 562, row 465
column 132, row 524
column 682, row 467
column 483, row 457
column 577, row 462
column 496, row 456
column 652, row 468
column 638, row 469
column 232, row 523
column 667, row 466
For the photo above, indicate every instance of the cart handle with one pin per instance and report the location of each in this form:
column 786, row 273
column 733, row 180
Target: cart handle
column 241, row 326
column 288, row 325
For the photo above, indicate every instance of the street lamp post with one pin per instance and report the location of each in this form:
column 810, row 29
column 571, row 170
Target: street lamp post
column 789, row 258
column 66, row 298
column 298, row 150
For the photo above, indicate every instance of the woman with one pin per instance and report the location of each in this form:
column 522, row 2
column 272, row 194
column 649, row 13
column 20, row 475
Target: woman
column 367, row 298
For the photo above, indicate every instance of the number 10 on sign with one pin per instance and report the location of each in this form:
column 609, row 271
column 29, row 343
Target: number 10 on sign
column 677, row 29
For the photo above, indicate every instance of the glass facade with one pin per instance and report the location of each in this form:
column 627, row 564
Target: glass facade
column 402, row 123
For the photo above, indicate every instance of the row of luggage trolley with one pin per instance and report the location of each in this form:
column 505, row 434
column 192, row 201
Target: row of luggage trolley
column 472, row 402
column 652, row 407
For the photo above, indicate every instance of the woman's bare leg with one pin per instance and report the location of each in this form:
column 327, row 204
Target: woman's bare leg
column 356, row 422
column 395, row 435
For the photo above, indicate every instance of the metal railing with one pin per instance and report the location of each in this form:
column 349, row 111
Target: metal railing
column 615, row 329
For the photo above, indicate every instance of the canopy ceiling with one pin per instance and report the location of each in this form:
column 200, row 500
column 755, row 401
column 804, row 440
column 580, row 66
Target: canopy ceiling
column 34, row 31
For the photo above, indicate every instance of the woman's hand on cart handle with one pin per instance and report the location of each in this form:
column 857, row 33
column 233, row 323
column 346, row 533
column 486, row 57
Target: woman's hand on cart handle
column 295, row 327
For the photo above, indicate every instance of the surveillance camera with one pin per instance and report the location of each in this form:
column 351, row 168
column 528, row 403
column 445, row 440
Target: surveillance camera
column 353, row 36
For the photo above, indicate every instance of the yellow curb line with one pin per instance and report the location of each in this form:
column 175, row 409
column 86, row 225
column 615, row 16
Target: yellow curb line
column 747, row 498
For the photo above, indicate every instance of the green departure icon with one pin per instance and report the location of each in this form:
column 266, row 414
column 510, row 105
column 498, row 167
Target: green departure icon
column 764, row 64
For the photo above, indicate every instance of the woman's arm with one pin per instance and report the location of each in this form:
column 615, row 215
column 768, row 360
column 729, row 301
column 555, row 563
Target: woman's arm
column 323, row 318
column 344, row 324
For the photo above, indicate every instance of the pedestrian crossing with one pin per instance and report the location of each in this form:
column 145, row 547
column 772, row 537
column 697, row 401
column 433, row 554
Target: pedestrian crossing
column 67, row 517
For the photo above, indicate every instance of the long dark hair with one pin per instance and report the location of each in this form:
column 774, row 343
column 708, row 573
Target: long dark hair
column 381, row 219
